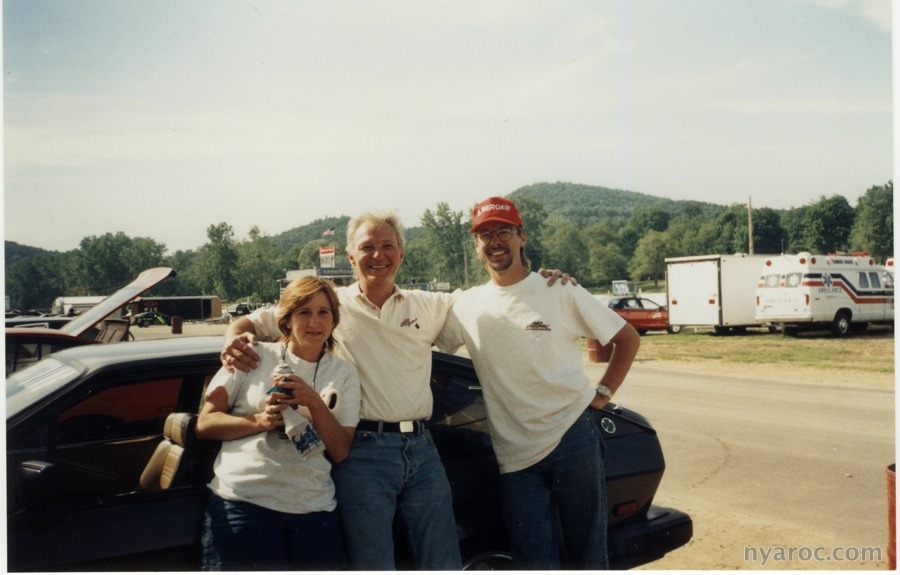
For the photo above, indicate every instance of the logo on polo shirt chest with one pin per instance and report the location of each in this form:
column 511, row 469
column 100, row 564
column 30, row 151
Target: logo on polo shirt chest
column 537, row 325
column 410, row 322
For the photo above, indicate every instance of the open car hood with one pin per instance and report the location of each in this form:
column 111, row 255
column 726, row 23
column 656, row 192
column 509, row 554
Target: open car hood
column 143, row 282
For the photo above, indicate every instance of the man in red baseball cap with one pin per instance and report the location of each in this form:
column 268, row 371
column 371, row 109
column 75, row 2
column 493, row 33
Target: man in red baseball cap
column 495, row 209
column 525, row 342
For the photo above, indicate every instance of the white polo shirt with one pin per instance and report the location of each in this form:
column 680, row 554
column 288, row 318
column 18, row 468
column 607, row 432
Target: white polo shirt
column 390, row 347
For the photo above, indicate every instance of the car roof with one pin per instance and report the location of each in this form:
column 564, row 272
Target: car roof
column 96, row 356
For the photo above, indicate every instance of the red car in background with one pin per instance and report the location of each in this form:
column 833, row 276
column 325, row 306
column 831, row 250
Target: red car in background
column 643, row 314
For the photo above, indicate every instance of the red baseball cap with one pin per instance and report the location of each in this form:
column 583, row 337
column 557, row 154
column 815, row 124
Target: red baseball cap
column 495, row 209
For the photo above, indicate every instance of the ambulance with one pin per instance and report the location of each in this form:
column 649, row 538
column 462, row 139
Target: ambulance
column 841, row 292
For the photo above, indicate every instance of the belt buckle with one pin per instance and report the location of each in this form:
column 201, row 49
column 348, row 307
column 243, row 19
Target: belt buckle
column 406, row 426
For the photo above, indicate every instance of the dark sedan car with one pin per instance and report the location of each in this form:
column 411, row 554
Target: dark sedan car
column 643, row 314
column 82, row 425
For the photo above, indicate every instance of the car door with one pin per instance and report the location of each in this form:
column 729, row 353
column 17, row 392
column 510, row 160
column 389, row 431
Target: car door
column 653, row 316
column 630, row 309
column 73, row 468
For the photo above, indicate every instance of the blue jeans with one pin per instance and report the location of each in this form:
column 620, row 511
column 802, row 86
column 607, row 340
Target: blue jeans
column 570, row 481
column 390, row 474
column 240, row 536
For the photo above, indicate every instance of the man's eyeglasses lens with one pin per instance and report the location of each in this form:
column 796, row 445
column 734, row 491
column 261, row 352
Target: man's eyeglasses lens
column 502, row 234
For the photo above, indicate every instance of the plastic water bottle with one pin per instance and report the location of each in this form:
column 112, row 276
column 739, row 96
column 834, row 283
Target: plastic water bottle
column 296, row 427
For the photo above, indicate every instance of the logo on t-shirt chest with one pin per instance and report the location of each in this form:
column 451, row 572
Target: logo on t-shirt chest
column 410, row 322
column 537, row 325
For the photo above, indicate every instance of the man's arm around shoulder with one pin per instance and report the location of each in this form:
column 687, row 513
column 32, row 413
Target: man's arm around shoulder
column 237, row 353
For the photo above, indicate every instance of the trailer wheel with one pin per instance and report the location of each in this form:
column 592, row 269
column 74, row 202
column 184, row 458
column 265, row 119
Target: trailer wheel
column 673, row 329
column 841, row 324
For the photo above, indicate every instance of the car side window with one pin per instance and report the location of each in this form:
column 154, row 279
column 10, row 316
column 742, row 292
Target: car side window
column 21, row 355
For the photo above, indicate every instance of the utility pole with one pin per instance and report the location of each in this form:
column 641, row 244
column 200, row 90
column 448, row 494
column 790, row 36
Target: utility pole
column 750, row 224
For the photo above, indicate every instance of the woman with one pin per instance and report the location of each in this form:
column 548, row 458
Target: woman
column 270, row 507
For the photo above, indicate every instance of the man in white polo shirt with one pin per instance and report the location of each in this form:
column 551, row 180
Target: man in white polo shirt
column 525, row 342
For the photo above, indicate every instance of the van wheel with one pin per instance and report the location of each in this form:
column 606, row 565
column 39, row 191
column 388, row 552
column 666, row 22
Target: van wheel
column 674, row 329
column 841, row 324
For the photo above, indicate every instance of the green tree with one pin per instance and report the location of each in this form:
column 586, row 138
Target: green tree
column 692, row 234
column 183, row 283
column 793, row 222
column 607, row 263
column 259, row 267
column 416, row 266
column 769, row 236
column 649, row 260
column 641, row 221
column 564, row 248
column 35, row 282
column 873, row 230
column 216, row 261
column 533, row 216
column 447, row 241
column 110, row 261
column 827, row 225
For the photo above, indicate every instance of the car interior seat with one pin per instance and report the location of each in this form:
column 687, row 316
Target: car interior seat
column 114, row 330
column 171, row 464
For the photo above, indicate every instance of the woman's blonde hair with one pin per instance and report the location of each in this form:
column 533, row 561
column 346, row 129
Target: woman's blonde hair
column 297, row 294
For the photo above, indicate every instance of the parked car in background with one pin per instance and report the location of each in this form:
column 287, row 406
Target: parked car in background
column 643, row 314
column 148, row 318
column 82, row 426
column 247, row 308
column 33, row 339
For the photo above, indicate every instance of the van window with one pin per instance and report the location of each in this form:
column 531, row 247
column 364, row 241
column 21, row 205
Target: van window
column 863, row 280
column 874, row 280
column 793, row 280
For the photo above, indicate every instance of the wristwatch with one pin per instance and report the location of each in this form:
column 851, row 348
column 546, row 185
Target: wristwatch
column 604, row 391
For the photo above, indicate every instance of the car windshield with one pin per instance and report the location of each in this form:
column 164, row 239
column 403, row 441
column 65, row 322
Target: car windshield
column 30, row 385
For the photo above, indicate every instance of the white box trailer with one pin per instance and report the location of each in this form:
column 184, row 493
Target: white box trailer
column 713, row 290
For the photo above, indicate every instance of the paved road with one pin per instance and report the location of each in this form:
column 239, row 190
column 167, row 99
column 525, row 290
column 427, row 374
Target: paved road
column 774, row 465
column 791, row 467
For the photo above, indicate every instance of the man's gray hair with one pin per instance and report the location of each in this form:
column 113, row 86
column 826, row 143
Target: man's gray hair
column 389, row 218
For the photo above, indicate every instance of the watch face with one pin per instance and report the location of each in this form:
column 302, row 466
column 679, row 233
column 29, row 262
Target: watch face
column 603, row 390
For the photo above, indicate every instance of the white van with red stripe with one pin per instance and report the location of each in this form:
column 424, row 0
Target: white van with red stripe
column 843, row 292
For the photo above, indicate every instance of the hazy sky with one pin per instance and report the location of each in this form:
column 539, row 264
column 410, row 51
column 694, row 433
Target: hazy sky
column 160, row 118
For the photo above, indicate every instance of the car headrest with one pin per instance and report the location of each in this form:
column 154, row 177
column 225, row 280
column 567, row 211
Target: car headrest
column 180, row 428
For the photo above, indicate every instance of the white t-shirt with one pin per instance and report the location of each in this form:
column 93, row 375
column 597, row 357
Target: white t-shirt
column 265, row 469
column 525, row 342
column 390, row 347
